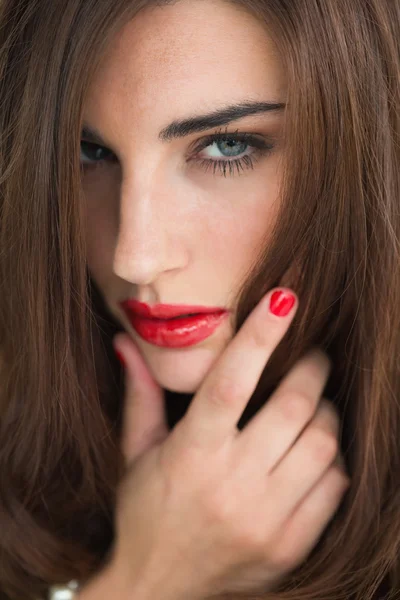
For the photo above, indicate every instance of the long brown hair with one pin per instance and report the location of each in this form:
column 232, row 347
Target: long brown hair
column 62, row 387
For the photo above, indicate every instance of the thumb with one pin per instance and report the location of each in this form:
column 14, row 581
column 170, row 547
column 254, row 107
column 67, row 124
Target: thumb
column 144, row 419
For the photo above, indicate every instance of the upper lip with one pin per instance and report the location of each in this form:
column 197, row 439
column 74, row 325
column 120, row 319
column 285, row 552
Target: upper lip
column 166, row 311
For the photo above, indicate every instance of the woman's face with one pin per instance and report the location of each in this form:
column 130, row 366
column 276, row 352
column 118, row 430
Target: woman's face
column 180, row 219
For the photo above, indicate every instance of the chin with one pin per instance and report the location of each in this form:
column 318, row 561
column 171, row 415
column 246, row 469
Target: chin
column 182, row 370
column 183, row 387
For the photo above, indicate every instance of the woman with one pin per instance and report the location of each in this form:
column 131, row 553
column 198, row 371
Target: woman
column 295, row 183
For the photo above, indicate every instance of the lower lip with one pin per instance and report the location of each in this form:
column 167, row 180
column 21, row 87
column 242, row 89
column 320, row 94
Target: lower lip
column 177, row 333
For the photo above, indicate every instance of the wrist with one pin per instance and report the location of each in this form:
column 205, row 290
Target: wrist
column 105, row 584
column 155, row 584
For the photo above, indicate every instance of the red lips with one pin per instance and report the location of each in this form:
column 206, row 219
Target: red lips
column 160, row 324
column 167, row 311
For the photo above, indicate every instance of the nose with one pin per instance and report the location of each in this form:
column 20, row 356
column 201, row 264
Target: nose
column 148, row 242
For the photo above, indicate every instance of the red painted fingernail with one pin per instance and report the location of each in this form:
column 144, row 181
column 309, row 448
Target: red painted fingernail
column 120, row 358
column 281, row 303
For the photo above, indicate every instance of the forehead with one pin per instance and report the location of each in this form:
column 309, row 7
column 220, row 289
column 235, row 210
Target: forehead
column 192, row 54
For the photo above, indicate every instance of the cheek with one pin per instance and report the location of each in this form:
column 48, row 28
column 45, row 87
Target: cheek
column 235, row 235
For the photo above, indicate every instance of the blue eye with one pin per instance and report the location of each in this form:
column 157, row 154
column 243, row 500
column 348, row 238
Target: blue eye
column 232, row 146
column 228, row 152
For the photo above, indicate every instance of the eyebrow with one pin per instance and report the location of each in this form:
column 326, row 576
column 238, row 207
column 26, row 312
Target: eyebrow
column 223, row 116
column 180, row 129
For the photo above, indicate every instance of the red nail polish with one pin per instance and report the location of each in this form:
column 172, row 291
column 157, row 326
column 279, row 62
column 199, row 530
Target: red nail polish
column 281, row 303
column 120, row 358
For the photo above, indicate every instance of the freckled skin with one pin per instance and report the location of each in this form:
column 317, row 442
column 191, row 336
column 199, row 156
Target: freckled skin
column 159, row 228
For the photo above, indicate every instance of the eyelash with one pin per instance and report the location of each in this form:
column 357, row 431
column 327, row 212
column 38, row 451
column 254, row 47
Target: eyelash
column 260, row 146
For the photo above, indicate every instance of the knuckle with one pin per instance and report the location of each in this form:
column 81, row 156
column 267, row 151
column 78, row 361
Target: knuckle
column 283, row 559
column 250, row 539
column 297, row 406
column 260, row 336
column 339, row 462
column 225, row 390
column 217, row 506
column 317, row 361
column 245, row 535
column 328, row 415
column 322, row 444
column 340, row 479
column 330, row 409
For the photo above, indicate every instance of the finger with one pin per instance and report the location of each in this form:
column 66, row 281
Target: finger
column 223, row 395
column 273, row 430
column 303, row 529
column 144, row 418
column 306, row 462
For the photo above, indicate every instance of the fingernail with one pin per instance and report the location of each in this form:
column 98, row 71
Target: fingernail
column 281, row 303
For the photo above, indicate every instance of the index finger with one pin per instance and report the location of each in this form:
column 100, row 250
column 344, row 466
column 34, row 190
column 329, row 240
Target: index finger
column 221, row 399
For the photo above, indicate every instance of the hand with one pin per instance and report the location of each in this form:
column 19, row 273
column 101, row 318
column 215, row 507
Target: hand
column 206, row 508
